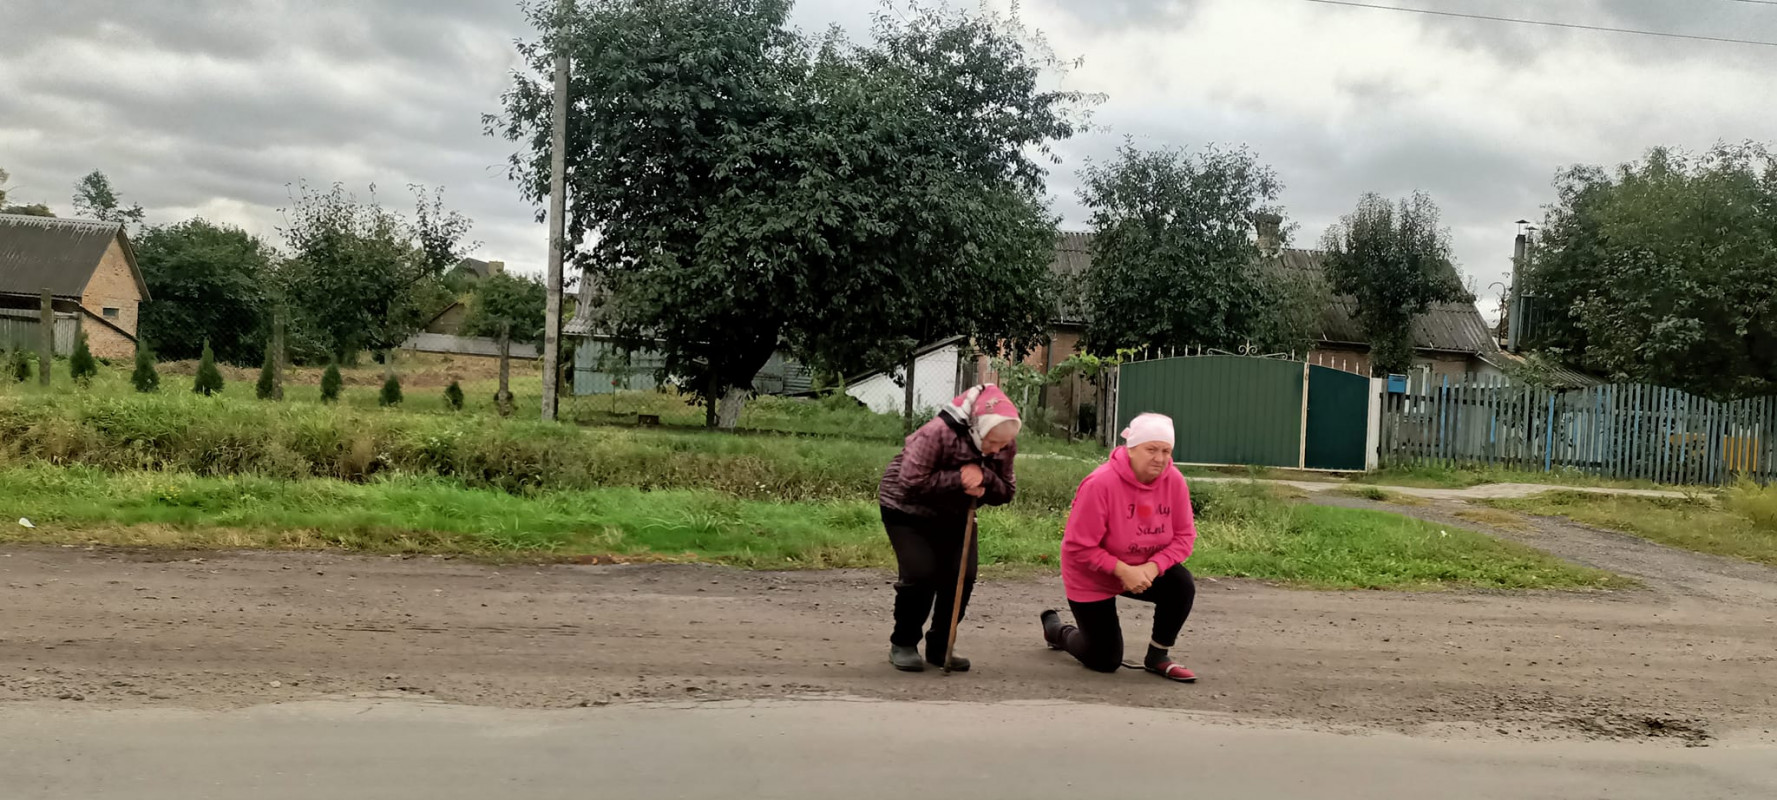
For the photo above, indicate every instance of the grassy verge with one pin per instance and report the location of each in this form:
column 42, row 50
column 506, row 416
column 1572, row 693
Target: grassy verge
column 1740, row 524
column 1430, row 476
column 226, row 436
column 1244, row 531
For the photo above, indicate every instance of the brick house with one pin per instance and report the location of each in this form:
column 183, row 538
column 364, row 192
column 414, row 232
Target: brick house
column 89, row 269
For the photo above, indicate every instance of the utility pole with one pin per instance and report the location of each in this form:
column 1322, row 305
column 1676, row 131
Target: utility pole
column 558, row 169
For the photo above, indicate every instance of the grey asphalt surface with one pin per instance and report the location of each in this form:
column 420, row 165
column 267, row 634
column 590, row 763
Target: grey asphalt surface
column 807, row 749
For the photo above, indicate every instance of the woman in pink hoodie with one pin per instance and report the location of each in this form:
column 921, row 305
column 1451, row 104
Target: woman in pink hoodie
column 1129, row 534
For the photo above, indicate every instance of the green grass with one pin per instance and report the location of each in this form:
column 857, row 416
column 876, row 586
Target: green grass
column 1245, row 532
column 1740, row 524
column 1438, row 476
column 1379, row 495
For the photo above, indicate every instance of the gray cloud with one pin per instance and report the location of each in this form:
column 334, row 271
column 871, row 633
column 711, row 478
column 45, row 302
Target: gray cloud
column 216, row 107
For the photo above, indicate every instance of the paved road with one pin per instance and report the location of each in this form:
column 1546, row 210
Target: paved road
column 808, row 749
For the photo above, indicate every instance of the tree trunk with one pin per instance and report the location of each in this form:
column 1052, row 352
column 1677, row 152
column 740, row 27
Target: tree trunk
column 503, row 400
column 728, row 411
column 46, row 343
column 907, row 411
column 709, row 400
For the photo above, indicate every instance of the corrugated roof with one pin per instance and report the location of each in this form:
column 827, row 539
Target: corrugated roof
column 38, row 253
column 1073, row 255
column 1560, row 376
column 1453, row 327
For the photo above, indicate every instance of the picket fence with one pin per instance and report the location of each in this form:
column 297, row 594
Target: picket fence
column 1626, row 431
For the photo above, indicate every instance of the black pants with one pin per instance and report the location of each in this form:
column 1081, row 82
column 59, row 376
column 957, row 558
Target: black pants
column 927, row 553
column 1097, row 641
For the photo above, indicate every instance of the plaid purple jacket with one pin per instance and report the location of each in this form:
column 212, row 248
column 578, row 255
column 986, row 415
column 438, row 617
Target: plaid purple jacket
column 925, row 478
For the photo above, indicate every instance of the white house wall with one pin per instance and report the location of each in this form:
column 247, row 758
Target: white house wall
column 934, row 384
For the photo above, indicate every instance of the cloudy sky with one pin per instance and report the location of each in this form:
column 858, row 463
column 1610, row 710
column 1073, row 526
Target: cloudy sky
column 213, row 107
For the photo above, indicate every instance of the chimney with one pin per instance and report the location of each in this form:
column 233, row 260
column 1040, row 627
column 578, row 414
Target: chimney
column 1268, row 225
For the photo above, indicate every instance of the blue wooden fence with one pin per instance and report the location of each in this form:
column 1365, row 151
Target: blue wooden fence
column 1628, row 431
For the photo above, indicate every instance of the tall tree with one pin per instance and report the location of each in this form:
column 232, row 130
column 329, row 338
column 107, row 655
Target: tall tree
column 94, row 198
column 1177, row 225
column 751, row 189
column 209, row 282
column 1664, row 271
column 359, row 276
column 507, row 308
column 1394, row 259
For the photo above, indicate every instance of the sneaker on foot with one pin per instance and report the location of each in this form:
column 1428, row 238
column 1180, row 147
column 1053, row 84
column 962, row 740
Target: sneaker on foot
column 906, row 659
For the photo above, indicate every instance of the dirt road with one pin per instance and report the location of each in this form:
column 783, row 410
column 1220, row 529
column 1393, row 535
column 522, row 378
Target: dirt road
column 216, row 631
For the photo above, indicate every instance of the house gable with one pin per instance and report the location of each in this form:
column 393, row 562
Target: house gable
column 114, row 290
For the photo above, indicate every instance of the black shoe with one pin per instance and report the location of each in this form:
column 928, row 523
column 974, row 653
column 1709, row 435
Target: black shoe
column 906, row 659
column 1051, row 628
column 957, row 663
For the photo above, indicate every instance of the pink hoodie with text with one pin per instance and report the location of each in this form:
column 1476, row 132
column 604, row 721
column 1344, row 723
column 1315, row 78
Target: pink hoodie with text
column 1118, row 518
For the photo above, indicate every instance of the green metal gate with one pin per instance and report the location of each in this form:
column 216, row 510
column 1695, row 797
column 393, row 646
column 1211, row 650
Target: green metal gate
column 1338, row 420
column 1224, row 409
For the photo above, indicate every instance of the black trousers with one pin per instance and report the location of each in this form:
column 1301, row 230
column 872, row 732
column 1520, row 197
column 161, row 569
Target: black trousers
column 1096, row 638
column 927, row 554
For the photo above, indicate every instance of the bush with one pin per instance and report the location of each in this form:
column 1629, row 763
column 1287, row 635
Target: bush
column 18, row 365
column 209, row 379
column 145, row 378
column 82, row 367
column 391, row 393
column 453, row 397
column 1757, row 504
column 330, row 383
column 267, row 388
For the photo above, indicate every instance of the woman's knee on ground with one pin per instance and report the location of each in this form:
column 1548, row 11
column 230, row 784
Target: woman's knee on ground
column 1176, row 582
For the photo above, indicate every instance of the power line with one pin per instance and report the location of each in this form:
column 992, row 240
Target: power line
column 1756, row 2
column 1569, row 25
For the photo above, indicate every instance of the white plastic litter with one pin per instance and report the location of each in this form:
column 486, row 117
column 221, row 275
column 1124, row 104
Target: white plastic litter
column 25, row 523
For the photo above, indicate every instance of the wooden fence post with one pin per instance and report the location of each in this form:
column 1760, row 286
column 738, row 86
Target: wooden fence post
column 46, row 340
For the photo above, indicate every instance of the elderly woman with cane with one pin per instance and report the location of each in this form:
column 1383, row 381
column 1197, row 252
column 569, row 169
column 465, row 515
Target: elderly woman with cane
column 960, row 459
column 1129, row 533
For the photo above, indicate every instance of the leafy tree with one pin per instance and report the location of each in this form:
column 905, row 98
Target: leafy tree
column 331, row 383
column 752, row 189
column 82, row 366
column 95, row 199
column 359, row 276
column 507, row 308
column 1176, row 225
column 1663, row 271
column 1394, row 259
column 207, row 281
column 145, row 378
column 209, row 379
column 267, row 388
column 453, row 396
column 390, row 396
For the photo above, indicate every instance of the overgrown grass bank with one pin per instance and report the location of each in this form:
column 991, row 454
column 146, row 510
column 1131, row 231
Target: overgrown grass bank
column 1245, row 531
column 1439, row 476
column 226, row 436
column 1742, row 523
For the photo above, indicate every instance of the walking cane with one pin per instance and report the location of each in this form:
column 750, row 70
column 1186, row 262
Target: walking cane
column 962, row 575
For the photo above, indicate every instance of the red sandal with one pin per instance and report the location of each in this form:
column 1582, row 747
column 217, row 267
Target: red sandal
column 1172, row 672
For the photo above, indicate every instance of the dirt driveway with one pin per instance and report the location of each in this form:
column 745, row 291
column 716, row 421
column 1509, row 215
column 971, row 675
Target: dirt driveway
column 231, row 630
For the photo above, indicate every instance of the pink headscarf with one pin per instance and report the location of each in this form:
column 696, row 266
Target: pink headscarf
column 984, row 408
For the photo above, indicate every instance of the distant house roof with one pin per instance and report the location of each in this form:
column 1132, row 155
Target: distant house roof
column 38, row 253
column 1073, row 254
column 1451, row 327
column 474, row 266
column 1557, row 375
